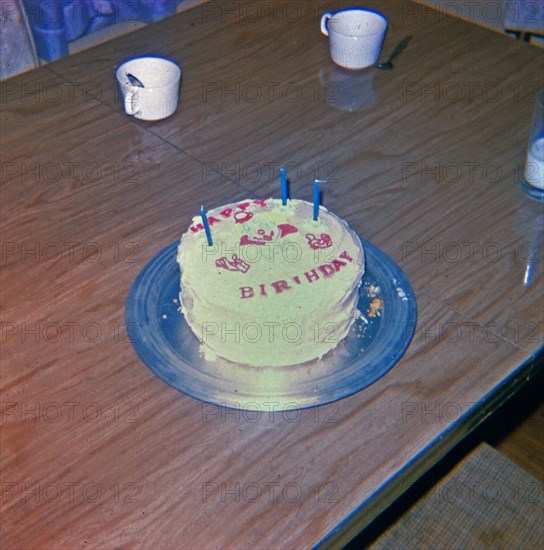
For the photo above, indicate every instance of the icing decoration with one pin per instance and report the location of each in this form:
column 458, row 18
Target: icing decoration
column 232, row 264
column 324, row 241
column 259, row 240
column 286, row 229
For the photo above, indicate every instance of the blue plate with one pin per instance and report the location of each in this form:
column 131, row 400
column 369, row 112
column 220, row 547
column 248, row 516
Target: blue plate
column 169, row 348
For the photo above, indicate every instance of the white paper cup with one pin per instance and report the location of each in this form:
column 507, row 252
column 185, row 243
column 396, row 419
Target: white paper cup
column 356, row 36
column 158, row 98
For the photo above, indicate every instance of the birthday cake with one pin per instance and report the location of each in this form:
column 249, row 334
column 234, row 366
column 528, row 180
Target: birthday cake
column 275, row 288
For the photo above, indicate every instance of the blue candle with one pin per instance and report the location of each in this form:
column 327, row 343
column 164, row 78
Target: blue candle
column 206, row 226
column 283, row 186
column 316, row 199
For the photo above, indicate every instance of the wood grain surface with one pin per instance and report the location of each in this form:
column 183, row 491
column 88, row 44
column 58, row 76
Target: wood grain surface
column 424, row 160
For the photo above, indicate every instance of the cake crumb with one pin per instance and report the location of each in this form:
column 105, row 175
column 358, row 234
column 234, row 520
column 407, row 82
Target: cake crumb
column 175, row 300
column 374, row 309
column 373, row 291
column 402, row 294
column 164, row 316
column 362, row 317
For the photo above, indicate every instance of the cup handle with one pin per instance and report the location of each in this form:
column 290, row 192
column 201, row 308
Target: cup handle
column 324, row 19
column 130, row 100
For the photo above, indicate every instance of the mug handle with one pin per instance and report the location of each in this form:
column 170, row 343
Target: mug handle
column 324, row 19
column 130, row 99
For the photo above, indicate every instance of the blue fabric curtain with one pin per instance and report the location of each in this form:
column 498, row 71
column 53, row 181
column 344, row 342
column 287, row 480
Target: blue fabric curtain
column 55, row 23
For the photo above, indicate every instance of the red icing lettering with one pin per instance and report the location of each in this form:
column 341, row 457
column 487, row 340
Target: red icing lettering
column 226, row 213
column 247, row 292
column 326, row 269
column 280, row 286
column 311, row 275
column 242, row 217
column 338, row 264
column 212, row 220
column 243, row 205
column 196, row 228
column 260, row 202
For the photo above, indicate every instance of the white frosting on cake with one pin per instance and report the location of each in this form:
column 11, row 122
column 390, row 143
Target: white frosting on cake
column 276, row 287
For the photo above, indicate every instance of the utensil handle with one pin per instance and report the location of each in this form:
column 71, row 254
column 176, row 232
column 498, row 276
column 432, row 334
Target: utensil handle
column 324, row 20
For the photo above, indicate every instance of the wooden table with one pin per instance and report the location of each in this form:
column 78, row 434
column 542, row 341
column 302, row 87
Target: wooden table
column 424, row 161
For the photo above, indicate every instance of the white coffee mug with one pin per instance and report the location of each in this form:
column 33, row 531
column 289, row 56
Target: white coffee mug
column 157, row 96
column 356, row 36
